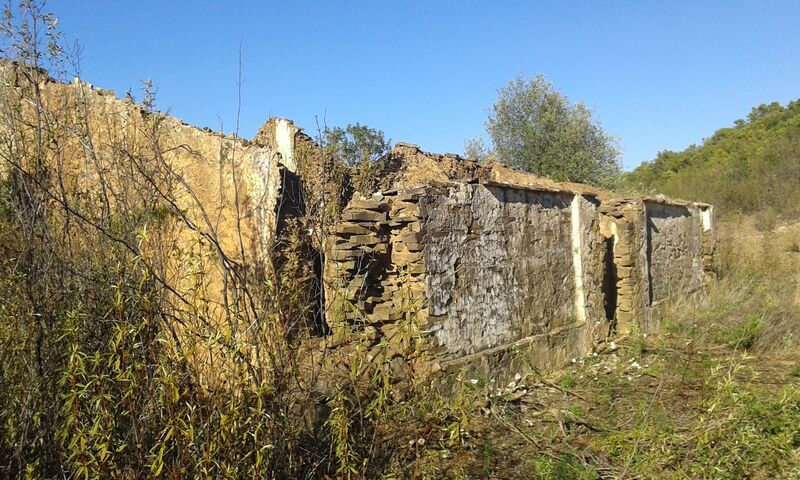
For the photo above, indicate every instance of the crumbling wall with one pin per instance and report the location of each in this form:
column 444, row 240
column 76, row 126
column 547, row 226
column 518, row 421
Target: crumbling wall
column 203, row 205
column 675, row 250
column 709, row 240
column 406, row 167
column 514, row 277
column 357, row 260
column 499, row 265
column 661, row 249
column 491, row 275
column 490, row 266
column 622, row 224
column 503, row 276
column 498, row 270
column 592, row 254
column 374, row 270
column 103, row 136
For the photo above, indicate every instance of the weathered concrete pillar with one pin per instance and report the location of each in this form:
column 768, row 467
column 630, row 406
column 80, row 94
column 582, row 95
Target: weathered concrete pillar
column 577, row 258
column 709, row 241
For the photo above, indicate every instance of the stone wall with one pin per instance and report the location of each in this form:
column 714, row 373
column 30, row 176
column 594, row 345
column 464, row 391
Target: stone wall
column 499, row 265
column 675, row 250
column 502, row 271
column 489, row 267
column 206, row 168
column 219, row 197
column 622, row 224
column 374, row 273
column 662, row 249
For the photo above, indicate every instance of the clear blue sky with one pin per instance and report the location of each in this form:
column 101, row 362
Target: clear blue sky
column 659, row 75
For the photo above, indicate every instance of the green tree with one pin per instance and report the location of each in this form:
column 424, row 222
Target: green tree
column 360, row 147
column 356, row 144
column 752, row 167
column 536, row 128
column 475, row 149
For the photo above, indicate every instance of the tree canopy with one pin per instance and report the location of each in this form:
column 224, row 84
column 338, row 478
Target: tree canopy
column 356, row 143
column 535, row 127
column 753, row 166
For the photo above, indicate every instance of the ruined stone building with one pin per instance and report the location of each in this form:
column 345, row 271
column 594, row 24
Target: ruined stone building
column 490, row 267
column 503, row 267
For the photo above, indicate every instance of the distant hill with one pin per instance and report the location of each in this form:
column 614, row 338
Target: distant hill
column 751, row 167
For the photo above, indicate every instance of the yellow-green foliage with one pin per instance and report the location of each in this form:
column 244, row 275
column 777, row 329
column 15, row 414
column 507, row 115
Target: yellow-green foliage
column 751, row 167
column 741, row 433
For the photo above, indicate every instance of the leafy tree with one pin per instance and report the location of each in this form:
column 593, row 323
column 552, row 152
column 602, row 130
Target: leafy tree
column 536, row 128
column 475, row 149
column 360, row 147
column 751, row 167
column 356, row 143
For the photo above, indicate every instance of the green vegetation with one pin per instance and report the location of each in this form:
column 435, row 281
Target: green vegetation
column 534, row 127
column 355, row 143
column 357, row 146
column 133, row 344
column 567, row 380
column 751, row 168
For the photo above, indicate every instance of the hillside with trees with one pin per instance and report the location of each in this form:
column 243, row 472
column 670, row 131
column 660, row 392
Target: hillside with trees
column 753, row 166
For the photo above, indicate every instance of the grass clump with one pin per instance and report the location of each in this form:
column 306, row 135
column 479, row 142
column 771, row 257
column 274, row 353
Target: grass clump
column 746, row 433
column 561, row 467
column 567, row 380
column 743, row 334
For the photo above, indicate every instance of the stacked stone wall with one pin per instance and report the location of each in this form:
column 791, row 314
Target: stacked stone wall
column 709, row 240
column 374, row 270
column 675, row 250
column 622, row 223
column 487, row 271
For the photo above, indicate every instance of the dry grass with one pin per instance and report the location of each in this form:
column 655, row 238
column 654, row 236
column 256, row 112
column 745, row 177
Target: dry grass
column 755, row 303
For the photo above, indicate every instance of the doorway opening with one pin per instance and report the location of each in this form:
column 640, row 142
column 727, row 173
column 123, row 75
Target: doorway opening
column 610, row 282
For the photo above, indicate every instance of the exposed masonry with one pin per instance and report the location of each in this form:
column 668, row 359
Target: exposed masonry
column 492, row 267
column 498, row 274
